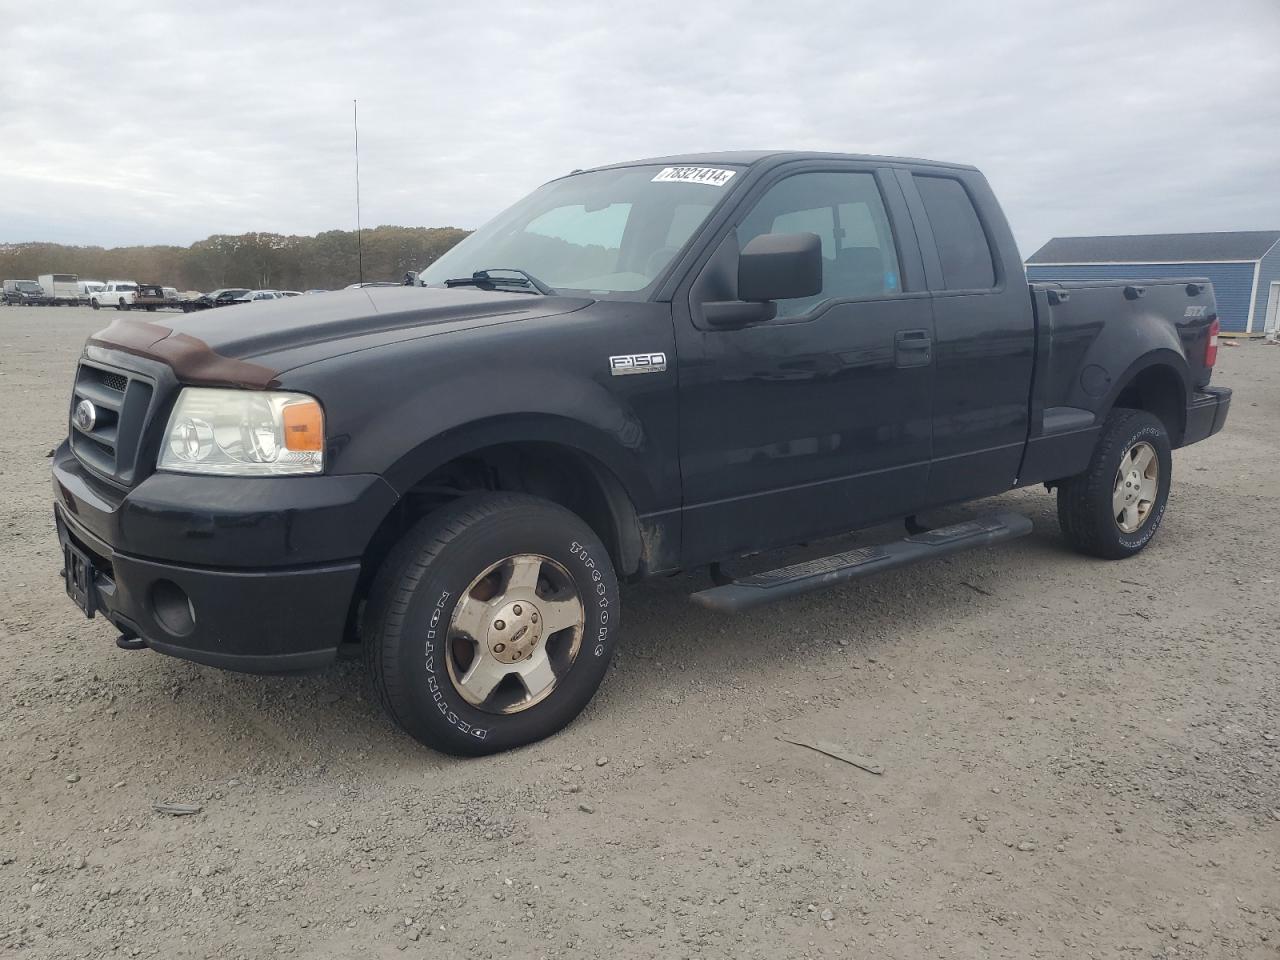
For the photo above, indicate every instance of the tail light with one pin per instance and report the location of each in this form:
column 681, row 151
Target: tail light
column 1211, row 344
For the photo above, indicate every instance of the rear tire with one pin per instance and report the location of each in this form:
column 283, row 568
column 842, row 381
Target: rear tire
column 1114, row 508
column 486, row 569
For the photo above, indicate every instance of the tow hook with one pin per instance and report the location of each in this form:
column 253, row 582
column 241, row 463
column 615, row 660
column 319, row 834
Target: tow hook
column 130, row 641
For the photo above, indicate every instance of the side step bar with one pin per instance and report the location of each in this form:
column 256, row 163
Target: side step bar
column 811, row 575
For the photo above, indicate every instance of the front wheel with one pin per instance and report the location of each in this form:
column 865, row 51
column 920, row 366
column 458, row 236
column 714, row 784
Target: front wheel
column 95, row 304
column 491, row 623
column 1114, row 508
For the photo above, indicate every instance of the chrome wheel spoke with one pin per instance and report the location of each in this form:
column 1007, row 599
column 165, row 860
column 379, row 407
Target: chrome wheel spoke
column 1143, row 454
column 484, row 674
column 471, row 617
column 524, row 574
column 537, row 675
column 561, row 614
column 1129, row 518
column 1119, row 497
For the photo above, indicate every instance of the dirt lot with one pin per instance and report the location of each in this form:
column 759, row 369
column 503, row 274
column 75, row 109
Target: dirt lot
column 1082, row 759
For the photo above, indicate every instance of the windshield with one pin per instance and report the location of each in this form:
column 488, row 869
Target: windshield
column 605, row 232
column 28, row 286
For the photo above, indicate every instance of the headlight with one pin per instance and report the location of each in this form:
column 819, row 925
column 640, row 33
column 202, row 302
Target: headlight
column 244, row 433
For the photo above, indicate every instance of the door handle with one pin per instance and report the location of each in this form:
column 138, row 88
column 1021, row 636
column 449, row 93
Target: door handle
column 912, row 348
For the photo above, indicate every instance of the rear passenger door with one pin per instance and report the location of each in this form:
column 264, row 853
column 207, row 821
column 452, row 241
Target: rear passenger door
column 984, row 333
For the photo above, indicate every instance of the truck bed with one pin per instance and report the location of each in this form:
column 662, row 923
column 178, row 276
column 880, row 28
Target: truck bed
column 1087, row 332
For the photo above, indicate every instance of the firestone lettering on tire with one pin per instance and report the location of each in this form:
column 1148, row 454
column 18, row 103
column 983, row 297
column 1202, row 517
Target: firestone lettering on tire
column 602, row 636
column 433, row 684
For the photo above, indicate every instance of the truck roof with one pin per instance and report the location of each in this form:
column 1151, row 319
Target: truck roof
column 750, row 158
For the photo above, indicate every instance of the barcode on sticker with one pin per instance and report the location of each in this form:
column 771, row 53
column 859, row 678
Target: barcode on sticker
column 708, row 175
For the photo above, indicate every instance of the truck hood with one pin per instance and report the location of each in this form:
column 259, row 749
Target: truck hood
column 251, row 344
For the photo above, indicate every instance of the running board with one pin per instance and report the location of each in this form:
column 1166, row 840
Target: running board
column 761, row 588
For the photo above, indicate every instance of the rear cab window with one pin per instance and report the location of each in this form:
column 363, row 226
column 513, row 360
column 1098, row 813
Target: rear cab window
column 963, row 248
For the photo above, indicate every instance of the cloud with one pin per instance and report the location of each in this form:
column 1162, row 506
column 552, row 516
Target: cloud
column 163, row 123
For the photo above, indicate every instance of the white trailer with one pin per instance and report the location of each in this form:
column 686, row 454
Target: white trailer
column 60, row 288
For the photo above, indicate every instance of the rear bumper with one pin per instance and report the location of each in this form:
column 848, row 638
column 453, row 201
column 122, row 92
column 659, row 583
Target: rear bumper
column 1206, row 414
column 254, row 621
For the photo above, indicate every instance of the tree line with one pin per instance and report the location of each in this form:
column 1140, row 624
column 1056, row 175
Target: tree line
column 256, row 260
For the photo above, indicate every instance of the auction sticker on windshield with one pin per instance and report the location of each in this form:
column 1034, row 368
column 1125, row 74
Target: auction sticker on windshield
column 708, row 175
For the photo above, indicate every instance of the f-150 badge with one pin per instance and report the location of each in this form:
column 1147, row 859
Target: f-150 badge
column 637, row 363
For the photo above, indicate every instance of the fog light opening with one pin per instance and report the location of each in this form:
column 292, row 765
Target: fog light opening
column 172, row 608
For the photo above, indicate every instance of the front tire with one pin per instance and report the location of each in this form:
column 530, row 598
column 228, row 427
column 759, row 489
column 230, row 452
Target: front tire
column 491, row 623
column 1114, row 508
column 95, row 304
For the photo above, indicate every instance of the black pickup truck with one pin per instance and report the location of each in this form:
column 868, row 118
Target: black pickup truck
column 637, row 369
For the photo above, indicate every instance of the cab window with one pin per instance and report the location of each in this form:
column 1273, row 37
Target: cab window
column 963, row 250
column 847, row 212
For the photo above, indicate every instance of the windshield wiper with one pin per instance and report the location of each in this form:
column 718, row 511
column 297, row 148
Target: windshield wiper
column 485, row 278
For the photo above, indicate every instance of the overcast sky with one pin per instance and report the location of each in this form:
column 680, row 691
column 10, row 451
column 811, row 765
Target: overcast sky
column 129, row 122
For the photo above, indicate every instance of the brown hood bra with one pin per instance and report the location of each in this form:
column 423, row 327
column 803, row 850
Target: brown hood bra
column 192, row 360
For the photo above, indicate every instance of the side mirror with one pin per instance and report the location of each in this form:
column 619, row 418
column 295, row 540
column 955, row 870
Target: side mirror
column 780, row 266
column 773, row 266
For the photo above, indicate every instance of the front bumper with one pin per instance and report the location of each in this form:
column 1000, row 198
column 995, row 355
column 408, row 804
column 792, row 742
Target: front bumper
column 1206, row 414
column 232, row 572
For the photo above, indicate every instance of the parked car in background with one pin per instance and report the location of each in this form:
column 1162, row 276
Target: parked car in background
column 117, row 293
column 314, row 291
column 60, row 289
column 290, row 293
column 370, row 283
column 171, row 295
column 21, row 293
column 251, row 295
column 150, row 296
column 216, row 298
column 89, row 287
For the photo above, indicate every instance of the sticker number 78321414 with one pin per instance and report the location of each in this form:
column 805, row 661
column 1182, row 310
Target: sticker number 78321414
column 711, row 176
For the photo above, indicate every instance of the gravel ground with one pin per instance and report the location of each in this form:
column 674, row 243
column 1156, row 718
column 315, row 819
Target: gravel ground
column 1081, row 759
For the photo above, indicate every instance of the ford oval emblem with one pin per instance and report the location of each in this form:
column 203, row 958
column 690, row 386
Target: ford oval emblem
column 85, row 416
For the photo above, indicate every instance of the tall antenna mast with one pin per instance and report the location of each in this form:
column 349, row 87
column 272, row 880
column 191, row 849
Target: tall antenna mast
column 355, row 125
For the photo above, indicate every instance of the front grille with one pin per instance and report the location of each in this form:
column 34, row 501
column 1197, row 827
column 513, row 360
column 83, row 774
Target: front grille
column 114, row 381
column 110, row 444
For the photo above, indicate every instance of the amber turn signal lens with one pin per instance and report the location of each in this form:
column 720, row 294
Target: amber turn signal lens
column 303, row 426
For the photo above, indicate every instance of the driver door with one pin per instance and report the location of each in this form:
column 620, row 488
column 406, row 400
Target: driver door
column 819, row 421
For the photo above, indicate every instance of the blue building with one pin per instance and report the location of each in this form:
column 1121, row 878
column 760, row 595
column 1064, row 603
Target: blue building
column 1243, row 265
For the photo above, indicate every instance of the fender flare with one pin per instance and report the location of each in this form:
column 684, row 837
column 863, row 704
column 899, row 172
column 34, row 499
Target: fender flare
column 617, row 472
column 1166, row 358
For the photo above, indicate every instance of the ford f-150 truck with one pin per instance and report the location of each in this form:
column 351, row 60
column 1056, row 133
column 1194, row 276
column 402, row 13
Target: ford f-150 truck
column 636, row 369
column 117, row 293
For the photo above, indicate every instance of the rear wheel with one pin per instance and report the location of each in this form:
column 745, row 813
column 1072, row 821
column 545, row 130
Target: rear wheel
column 1114, row 508
column 491, row 624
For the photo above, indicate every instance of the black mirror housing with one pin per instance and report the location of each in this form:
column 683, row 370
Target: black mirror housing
column 780, row 266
